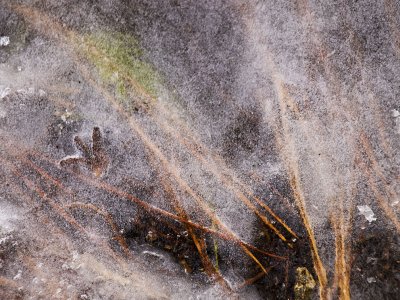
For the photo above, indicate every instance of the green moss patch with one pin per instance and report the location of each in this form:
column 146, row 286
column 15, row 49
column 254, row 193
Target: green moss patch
column 120, row 63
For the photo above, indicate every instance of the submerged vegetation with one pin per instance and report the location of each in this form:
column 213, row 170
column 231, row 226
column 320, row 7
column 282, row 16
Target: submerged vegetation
column 120, row 63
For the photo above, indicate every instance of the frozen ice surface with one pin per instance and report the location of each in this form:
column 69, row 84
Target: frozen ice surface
column 199, row 149
column 367, row 212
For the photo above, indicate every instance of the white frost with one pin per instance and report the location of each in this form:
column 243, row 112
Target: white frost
column 18, row 276
column 4, row 40
column 4, row 91
column 367, row 212
column 7, row 216
column 371, row 279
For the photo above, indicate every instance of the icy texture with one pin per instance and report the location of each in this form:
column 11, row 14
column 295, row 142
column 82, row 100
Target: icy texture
column 199, row 149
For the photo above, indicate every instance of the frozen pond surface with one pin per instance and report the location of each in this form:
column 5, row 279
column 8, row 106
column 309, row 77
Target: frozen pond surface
column 199, row 149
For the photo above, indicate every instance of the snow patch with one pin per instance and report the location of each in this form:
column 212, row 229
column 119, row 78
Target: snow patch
column 7, row 216
column 4, row 40
column 367, row 212
column 4, row 91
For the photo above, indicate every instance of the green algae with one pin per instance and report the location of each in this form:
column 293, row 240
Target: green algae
column 120, row 63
